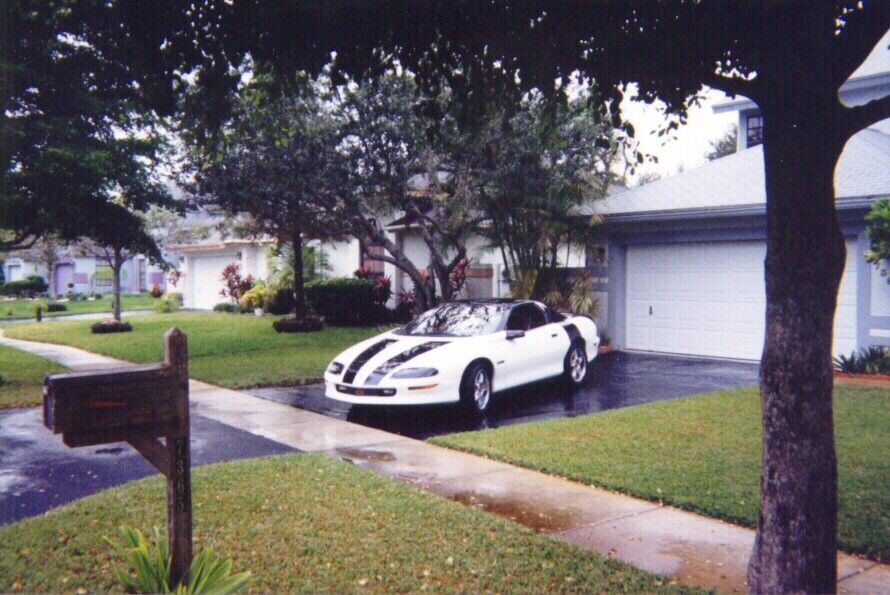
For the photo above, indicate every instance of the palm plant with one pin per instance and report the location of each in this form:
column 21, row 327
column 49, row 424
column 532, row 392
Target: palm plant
column 150, row 568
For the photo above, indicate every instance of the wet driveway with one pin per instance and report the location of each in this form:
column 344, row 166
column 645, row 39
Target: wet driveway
column 38, row 472
column 616, row 379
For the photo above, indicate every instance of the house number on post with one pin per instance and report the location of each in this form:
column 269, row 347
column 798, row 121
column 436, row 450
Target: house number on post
column 139, row 405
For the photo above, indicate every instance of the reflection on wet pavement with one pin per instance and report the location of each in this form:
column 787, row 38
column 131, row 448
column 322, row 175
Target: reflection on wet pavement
column 616, row 379
column 38, row 472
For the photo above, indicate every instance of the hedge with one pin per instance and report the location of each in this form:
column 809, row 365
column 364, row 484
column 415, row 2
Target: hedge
column 27, row 287
column 345, row 301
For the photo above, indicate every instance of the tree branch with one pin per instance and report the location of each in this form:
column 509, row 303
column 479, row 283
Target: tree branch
column 863, row 30
column 21, row 241
column 732, row 86
column 862, row 116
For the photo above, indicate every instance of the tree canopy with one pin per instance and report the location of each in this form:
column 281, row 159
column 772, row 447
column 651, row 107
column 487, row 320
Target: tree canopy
column 76, row 128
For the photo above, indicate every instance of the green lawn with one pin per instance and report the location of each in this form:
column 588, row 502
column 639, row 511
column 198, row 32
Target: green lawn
column 308, row 523
column 703, row 454
column 22, row 377
column 231, row 350
column 17, row 309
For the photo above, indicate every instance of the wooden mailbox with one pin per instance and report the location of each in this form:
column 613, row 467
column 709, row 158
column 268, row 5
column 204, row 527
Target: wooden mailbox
column 139, row 405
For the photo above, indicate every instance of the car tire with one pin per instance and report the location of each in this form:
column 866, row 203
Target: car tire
column 575, row 365
column 476, row 388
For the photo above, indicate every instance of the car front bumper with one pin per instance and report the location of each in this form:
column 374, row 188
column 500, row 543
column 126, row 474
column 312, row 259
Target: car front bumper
column 411, row 391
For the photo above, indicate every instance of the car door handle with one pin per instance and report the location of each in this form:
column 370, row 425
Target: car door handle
column 554, row 335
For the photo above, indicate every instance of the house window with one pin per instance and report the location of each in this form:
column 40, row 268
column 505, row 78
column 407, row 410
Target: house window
column 594, row 256
column 103, row 277
column 755, row 130
column 374, row 266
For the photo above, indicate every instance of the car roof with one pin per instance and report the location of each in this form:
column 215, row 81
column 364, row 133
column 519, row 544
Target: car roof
column 499, row 301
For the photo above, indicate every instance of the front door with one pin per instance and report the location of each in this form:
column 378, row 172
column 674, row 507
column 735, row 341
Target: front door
column 63, row 278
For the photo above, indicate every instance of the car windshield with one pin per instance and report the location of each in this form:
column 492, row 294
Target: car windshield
column 458, row 320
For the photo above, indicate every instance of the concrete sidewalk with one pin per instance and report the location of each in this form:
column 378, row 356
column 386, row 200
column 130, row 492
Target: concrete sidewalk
column 689, row 548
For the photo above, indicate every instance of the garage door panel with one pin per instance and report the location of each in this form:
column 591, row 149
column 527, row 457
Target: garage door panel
column 207, row 282
column 640, row 335
column 709, row 299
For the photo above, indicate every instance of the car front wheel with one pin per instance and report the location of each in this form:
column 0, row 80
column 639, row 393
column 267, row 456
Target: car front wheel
column 475, row 390
column 576, row 365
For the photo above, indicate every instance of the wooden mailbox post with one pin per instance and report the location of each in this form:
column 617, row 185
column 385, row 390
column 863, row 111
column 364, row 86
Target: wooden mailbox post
column 139, row 405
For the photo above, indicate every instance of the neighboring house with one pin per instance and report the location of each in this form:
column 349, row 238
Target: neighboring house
column 202, row 265
column 85, row 274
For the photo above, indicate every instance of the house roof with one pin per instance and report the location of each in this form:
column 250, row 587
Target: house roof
column 220, row 245
column 736, row 182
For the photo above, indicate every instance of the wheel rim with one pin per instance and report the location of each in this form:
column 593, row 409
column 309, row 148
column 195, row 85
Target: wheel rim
column 481, row 390
column 577, row 365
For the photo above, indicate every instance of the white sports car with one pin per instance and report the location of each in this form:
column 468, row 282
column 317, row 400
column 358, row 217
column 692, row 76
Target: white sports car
column 464, row 351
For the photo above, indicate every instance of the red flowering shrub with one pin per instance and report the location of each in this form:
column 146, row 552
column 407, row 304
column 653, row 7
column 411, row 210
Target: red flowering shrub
column 235, row 285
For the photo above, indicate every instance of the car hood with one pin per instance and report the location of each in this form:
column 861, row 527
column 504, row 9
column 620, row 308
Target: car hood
column 368, row 362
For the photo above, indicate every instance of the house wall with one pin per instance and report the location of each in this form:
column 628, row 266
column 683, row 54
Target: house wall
column 343, row 257
column 16, row 269
column 874, row 293
column 80, row 271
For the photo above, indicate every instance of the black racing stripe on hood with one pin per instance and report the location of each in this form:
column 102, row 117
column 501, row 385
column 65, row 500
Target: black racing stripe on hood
column 363, row 358
column 394, row 362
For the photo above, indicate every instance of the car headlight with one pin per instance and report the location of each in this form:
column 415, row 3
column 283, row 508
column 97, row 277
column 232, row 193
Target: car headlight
column 416, row 373
column 335, row 368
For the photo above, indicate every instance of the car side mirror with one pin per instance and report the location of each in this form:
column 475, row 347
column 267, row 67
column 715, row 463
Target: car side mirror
column 512, row 335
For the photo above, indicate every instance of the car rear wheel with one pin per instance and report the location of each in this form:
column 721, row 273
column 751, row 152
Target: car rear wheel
column 475, row 388
column 576, row 365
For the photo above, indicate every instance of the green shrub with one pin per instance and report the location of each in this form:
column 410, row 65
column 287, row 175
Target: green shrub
column 283, row 302
column 149, row 570
column 56, row 307
column 868, row 360
column 345, row 301
column 28, row 287
column 111, row 326
column 290, row 324
column 257, row 296
column 169, row 303
column 231, row 308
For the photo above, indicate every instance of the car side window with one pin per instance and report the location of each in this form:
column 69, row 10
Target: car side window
column 518, row 320
column 536, row 317
column 526, row 317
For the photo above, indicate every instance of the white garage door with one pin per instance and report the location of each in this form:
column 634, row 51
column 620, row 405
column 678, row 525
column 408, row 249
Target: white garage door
column 206, row 279
column 709, row 299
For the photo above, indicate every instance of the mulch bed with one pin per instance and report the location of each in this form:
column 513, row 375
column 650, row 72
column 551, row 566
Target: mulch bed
column 872, row 380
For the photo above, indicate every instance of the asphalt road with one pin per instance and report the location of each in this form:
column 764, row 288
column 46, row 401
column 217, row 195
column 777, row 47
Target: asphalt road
column 615, row 380
column 38, row 472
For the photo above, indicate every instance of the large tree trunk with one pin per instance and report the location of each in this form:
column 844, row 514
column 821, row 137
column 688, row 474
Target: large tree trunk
column 117, row 263
column 424, row 296
column 795, row 548
column 299, row 280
